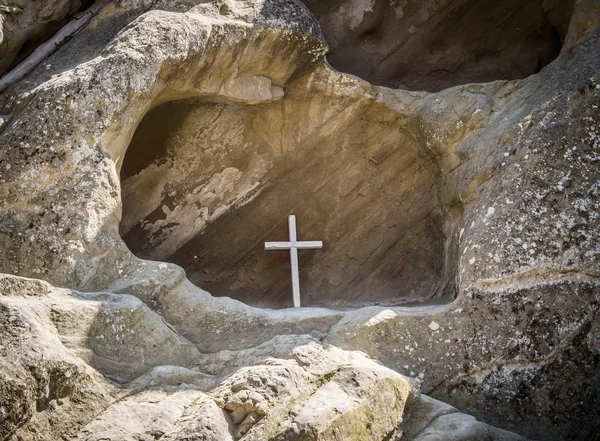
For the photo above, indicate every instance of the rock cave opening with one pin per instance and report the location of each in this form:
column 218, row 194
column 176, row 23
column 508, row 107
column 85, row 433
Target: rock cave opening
column 205, row 184
column 427, row 45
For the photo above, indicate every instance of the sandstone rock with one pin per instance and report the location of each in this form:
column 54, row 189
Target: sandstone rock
column 303, row 390
column 318, row 393
column 161, row 376
column 358, row 402
column 432, row 45
column 508, row 345
column 151, row 414
column 294, row 387
column 431, row 420
column 272, row 397
column 20, row 34
column 461, row 427
column 119, row 335
column 114, row 333
column 389, row 208
column 421, row 414
column 479, row 200
column 45, row 389
column 237, row 326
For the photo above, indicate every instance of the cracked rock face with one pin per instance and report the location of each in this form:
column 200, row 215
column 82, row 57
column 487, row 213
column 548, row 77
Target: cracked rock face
column 187, row 131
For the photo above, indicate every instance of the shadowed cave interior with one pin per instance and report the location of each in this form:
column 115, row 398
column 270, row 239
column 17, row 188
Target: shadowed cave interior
column 435, row 44
column 205, row 184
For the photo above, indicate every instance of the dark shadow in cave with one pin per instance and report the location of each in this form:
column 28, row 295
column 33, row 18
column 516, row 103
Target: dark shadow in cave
column 205, row 184
column 417, row 45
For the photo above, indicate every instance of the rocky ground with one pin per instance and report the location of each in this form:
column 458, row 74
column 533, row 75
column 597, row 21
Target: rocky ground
column 461, row 229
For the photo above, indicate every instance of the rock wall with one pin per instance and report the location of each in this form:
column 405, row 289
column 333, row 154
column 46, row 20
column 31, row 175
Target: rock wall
column 435, row 44
column 350, row 169
column 229, row 111
column 21, row 33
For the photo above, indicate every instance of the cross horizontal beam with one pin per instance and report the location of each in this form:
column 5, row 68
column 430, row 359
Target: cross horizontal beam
column 304, row 245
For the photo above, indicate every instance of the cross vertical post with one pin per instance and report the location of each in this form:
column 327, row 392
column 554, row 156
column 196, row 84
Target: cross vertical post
column 293, row 245
column 294, row 261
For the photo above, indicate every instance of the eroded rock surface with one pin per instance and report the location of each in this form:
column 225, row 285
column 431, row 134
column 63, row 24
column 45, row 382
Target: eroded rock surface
column 435, row 44
column 432, row 420
column 44, row 387
column 21, row 33
column 288, row 388
column 186, row 168
column 504, row 172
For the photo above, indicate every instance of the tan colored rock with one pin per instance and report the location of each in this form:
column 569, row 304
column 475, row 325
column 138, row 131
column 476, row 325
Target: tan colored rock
column 482, row 196
column 119, row 335
column 116, row 334
column 430, row 420
column 45, row 389
column 315, row 393
column 20, row 34
column 291, row 387
column 493, row 348
column 237, row 326
column 358, row 402
column 162, row 376
column 152, row 415
column 461, row 427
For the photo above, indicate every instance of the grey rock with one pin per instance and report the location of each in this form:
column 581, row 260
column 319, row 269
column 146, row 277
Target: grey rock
column 479, row 201
column 20, row 34
column 430, row 419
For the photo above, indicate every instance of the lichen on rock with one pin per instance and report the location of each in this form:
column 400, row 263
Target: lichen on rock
column 461, row 235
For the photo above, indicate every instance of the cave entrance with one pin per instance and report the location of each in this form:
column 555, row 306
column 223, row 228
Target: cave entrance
column 205, row 184
column 418, row 45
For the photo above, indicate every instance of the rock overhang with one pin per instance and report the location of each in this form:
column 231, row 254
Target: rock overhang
column 170, row 84
column 424, row 45
column 209, row 182
column 106, row 126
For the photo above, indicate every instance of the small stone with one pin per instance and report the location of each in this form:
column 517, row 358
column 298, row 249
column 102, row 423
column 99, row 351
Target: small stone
column 434, row 326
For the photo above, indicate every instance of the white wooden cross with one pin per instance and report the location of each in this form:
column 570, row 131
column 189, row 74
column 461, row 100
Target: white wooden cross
column 293, row 245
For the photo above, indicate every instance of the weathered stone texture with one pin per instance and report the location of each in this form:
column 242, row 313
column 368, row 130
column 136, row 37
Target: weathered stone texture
column 194, row 128
column 45, row 389
column 20, row 34
column 434, row 44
